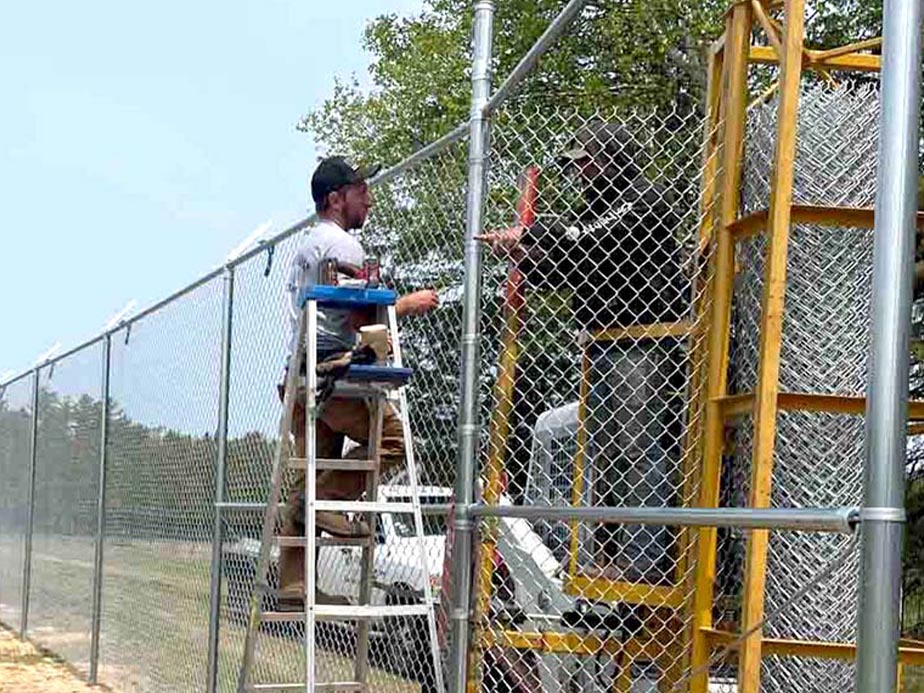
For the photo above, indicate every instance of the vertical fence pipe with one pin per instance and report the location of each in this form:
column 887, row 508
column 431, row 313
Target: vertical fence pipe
column 220, row 480
column 469, row 378
column 100, row 514
column 887, row 391
column 27, row 552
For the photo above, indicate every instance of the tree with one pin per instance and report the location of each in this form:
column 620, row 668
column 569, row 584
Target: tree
column 636, row 53
column 629, row 54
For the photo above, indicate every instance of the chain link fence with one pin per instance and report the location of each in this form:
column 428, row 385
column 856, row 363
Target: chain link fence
column 607, row 399
column 592, row 380
column 161, row 452
column 65, row 504
column 414, row 232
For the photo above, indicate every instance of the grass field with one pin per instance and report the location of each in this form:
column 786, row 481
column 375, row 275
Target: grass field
column 155, row 621
column 154, row 631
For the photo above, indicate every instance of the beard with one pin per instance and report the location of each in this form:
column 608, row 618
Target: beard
column 356, row 221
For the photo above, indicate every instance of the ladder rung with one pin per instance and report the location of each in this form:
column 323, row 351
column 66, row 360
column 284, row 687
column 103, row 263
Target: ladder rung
column 363, row 506
column 345, row 541
column 343, row 465
column 337, row 611
column 359, row 612
column 351, row 390
column 324, row 541
column 290, row 541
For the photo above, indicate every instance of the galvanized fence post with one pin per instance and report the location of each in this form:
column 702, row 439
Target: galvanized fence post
column 220, row 480
column 27, row 550
column 100, row 514
column 469, row 409
column 887, row 391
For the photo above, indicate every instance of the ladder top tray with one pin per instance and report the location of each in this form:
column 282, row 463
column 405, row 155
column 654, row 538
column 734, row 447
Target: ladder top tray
column 346, row 297
column 378, row 374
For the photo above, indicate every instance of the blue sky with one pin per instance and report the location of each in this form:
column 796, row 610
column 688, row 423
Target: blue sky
column 141, row 142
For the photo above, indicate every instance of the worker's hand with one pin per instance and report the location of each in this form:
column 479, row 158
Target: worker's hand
column 417, row 303
column 504, row 242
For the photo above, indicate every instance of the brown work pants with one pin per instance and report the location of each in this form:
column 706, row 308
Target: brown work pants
column 339, row 418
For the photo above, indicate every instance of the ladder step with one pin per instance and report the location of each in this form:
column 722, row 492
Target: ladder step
column 336, row 611
column 337, row 687
column 363, row 506
column 324, row 541
column 290, row 541
column 340, row 464
column 390, row 376
column 333, row 612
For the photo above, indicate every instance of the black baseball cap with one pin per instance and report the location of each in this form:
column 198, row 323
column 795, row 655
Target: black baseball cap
column 334, row 173
column 597, row 140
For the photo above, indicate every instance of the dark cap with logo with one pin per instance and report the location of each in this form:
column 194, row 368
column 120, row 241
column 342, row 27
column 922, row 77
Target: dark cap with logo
column 334, row 173
column 611, row 146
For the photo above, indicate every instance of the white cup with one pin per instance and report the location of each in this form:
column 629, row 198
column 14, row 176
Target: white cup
column 375, row 336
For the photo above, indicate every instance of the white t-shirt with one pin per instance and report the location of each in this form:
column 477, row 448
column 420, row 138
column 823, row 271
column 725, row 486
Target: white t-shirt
column 326, row 240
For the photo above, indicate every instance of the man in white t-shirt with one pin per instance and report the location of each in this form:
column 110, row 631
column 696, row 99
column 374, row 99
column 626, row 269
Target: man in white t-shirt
column 342, row 201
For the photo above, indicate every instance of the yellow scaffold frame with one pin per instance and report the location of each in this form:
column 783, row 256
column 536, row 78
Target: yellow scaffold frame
column 721, row 227
column 734, row 52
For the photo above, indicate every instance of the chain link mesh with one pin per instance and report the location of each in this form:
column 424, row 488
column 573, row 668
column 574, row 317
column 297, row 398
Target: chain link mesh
column 160, row 488
column 65, row 512
column 415, row 232
column 819, row 584
column 609, row 354
column 818, row 458
column 592, row 391
column 15, row 455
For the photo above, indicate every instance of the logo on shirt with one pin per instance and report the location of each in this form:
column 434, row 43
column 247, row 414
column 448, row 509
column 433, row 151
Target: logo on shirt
column 574, row 233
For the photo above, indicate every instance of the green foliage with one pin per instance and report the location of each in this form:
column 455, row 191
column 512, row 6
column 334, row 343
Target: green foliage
column 834, row 23
column 638, row 53
column 159, row 482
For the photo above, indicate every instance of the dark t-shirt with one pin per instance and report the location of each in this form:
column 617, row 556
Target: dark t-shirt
column 619, row 257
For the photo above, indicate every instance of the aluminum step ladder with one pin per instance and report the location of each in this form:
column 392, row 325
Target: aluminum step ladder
column 380, row 386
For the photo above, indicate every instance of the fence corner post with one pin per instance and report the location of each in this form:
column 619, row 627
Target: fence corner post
column 883, row 514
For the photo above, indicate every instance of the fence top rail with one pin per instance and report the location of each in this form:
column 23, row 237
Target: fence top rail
column 15, row 379
column 539, row 48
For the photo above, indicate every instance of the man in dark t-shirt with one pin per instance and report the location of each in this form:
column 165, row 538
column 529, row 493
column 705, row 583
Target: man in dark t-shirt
column 620, row 260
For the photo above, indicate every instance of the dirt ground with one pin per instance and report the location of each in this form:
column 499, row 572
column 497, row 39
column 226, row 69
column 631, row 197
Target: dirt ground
column 24, row 669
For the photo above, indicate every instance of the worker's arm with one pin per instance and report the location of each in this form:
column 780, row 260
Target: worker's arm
column 417, row 303
column 546, row 254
